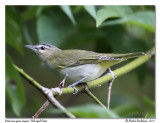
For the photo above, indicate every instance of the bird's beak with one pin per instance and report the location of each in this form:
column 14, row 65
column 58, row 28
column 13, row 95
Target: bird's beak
column 30, row 47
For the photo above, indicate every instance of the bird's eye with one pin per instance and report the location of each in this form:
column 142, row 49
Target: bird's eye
column 42, row 48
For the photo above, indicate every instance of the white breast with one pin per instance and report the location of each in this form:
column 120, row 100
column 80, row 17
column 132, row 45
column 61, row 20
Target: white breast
column 91, row 71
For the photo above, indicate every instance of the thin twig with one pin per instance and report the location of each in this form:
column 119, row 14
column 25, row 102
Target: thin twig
column 62, row 108
column 43, row 107
column 27, row 77
column 55, row 102
column 95, row 98
column 110, row 72
column 46, row 104
column 109, row 93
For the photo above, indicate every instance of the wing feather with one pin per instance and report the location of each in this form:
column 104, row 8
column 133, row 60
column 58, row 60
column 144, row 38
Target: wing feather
column 69, row 58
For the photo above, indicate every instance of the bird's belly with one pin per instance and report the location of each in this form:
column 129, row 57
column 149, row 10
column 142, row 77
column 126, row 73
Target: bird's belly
column 90, row 71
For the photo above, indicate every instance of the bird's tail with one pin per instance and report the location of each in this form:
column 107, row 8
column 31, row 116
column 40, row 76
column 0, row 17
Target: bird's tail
column 126, row 55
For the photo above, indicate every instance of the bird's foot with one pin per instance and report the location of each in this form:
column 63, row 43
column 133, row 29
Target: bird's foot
column 110, row 72
column 58, row 89
column 61, row 85
column 73, row 86
column 76, row 83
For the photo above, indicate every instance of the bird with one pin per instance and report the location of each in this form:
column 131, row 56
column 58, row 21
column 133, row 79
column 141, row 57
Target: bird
column 80, row 66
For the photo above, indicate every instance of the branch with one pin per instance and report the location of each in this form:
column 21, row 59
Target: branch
column 50, row 97
column 43, row 107
column 27, row 77
column 95, row 98
column 98, row 82
column 55, row 102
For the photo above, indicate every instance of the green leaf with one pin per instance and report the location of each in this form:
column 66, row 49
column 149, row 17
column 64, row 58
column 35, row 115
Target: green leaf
column 14, row 29
column 27, row 35
column 121, row 10
column 141, row 73
column 83, row 37
column 150, row 105
column 89, row 111
column 14, row 87
column 115, row 37
column 128, row 110
column 53, row 27
column 68, row 12
column 104, row 14
column 150, row 114
column 92, row 111
column 112, row 12
column 32, row 12
column 142, row 19
column 148, row 102
column 91, row 10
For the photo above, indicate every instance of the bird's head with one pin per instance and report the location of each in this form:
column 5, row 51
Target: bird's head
column 44, row 51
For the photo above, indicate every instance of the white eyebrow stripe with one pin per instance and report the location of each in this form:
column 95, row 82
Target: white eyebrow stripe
column 48, row 45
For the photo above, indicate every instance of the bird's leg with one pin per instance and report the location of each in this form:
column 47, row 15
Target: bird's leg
column 61, row 85
column 110, row 86
column 74, row 84
column 48, row 92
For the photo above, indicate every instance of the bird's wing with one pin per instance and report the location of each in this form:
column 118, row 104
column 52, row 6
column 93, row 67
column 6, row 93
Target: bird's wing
column 126, row 55
column 69, row 58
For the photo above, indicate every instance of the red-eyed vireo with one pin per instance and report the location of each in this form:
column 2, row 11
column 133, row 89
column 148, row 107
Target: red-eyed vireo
column 79, row 65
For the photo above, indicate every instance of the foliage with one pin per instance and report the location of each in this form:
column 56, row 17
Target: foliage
column 116, row 29
column 89, row 111
column 14, row 87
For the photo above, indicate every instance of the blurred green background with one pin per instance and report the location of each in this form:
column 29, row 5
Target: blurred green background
column 105, row 29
